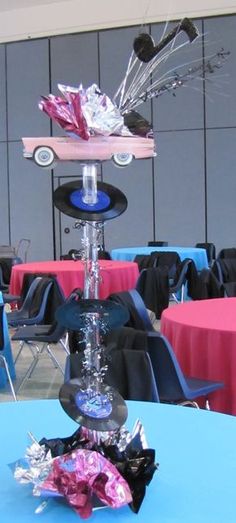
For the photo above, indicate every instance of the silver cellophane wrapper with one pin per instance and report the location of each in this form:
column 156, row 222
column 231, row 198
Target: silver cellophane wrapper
column 101, row 115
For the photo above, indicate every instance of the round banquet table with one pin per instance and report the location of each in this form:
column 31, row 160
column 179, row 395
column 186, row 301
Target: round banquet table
column 199, row 256
column 195, row 450
column 203, row 336
column 115, row 276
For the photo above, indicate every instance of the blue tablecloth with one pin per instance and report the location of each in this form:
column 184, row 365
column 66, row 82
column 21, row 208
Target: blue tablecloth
column 6, row 352
column 195, row 449
column 199, row 256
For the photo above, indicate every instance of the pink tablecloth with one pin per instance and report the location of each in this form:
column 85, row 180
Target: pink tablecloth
column 115, row 276
column 203, row 335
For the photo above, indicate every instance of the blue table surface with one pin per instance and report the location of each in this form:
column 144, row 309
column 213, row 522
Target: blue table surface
column 195, row 449
column 198, row 255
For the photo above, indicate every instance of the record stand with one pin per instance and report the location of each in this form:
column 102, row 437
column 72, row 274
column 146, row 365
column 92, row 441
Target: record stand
column 88, row 400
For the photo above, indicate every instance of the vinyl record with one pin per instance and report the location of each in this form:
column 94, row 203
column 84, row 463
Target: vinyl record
column 106, row 417
column 72, row 314
column 111, row 202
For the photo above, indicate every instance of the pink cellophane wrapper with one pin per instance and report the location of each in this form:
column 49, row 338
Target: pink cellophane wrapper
column 82, row 473
column 84, row 112
column 67, row 114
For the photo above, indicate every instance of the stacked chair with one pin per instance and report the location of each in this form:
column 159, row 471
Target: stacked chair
column 10, row 256
column 32, row 310
column 39, row 330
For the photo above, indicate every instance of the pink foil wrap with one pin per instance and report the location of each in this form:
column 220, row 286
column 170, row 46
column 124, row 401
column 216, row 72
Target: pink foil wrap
column 82, row 473
column 66, row 113
column 84, row 112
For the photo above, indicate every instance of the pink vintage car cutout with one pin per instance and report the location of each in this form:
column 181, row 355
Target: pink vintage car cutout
column 122, row 150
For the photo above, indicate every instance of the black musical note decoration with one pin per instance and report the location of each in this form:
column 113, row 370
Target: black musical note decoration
column 144, row 45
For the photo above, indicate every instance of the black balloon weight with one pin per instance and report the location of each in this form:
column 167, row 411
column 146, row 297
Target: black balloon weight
column 104, row 412
column 111, row 315
column 111, row 202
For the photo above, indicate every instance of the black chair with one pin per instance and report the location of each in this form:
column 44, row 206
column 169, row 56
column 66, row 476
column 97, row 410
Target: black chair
column 153, row 287
column 185, row 273
column 225, row 271
column 129, row 371
column 172, row 385
column 4, row 288
column 210, row 251
column 139, row 318
column 103, row 255
column 6, row 265
column 227, row 253
column 56, row 295
column 33, row 308
column 73, row 254
column 144, row 261
column 168, row 259
column 207, row 286
column 157, row 243
column 45, row 335
column 3, row 361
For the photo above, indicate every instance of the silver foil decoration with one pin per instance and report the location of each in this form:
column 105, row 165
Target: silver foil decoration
column 101, row 114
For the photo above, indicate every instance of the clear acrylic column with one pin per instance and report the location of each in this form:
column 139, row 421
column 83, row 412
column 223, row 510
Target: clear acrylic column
column 93, row 402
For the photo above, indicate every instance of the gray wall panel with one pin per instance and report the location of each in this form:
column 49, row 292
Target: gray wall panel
column 27, row 80
column 221, row 187
column 182, row 108
column 74, row 60
column 70, row 235
column 4, row 209
column 30, row 204
column 221, row 94
column 134, row 226
column 179, row 188
column 3, row 129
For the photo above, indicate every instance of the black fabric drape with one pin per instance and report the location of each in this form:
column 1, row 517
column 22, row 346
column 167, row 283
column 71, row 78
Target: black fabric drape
column 153, row 286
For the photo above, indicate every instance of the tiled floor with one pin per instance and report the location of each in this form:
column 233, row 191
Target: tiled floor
column 45, row 381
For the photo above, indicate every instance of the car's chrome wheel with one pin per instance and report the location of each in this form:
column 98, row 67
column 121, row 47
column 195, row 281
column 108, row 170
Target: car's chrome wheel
column 44, row 156
column 122, row 159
